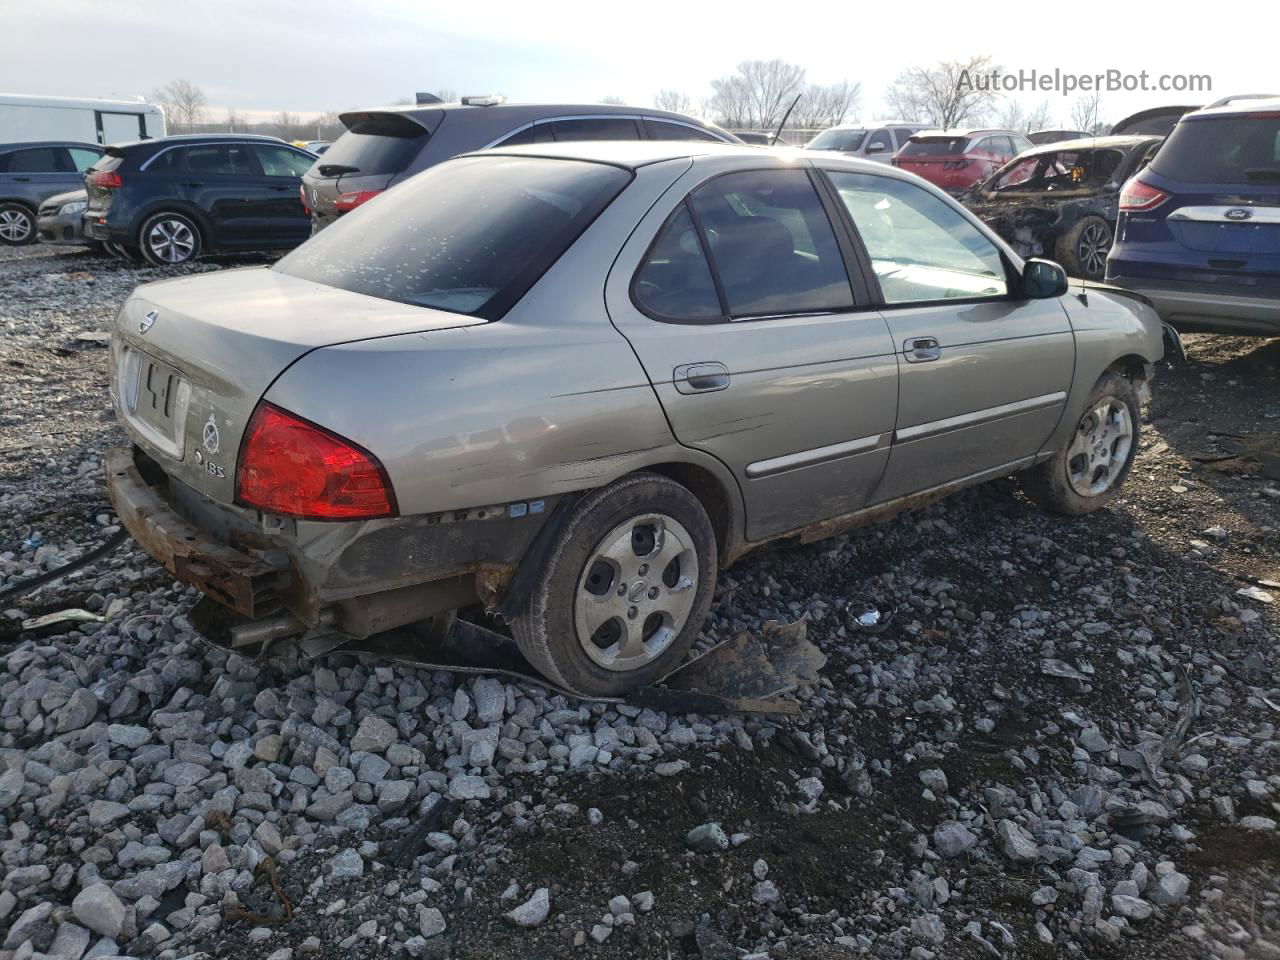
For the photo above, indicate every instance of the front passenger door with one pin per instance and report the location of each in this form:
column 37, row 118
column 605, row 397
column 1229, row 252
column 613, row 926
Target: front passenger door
column 288, row 222
column 984, row 372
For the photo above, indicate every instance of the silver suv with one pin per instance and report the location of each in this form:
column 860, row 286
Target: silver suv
column 874, row 141
column 383, row 147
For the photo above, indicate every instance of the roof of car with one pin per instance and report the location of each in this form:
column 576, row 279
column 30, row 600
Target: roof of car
column 876, row 124
column 957, row 132
column 1238, row 105
column 1094, row 143
column 633, row 154
column 197, row 138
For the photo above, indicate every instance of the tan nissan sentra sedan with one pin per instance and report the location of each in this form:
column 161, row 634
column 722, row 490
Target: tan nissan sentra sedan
column 572, row 381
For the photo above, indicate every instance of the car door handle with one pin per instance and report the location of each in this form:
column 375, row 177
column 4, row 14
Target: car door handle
column 706, row 377
column 194, row 183
column 921, row 349
column 22, row 179
column 282, row 189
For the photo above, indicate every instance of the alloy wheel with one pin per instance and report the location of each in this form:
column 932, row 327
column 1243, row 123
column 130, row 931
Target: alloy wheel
column 1100, row 449
column 15, row 226
column 1095, row 244
column 636, row 592
column 171, row 240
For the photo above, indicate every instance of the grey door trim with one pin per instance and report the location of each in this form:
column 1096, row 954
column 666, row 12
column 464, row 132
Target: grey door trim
column 986, row 415
column 805, row 458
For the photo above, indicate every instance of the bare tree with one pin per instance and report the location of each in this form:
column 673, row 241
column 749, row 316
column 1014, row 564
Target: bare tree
column 947, row 94
column 673, row 100
column 183, row 103
column 235, row 122
column 1086, row 113
column 1040, row 118
column 825, row 106
column 447, row 95
column 757, row 95
column 613, row 101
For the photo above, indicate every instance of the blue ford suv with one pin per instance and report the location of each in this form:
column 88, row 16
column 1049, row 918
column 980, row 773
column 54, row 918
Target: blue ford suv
column 1199, row 228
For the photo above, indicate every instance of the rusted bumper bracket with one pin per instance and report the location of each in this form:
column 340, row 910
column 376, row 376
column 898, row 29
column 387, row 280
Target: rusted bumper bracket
column 239, row 580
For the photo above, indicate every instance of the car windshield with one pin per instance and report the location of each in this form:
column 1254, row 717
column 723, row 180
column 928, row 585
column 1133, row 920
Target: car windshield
column 469, row 236
column 934, row 146
column 845, row 140
column 1241, row 148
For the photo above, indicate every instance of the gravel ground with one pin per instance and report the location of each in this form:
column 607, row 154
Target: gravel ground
column 1064, row 744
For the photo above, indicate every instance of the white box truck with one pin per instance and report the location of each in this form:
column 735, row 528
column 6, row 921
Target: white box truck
column 24, row 119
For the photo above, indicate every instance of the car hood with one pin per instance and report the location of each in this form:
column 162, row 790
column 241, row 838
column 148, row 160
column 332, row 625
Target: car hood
column 213, row 344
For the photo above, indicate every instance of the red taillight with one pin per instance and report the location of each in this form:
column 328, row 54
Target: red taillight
column 293, row 467
column 1136, row 195
column 107, row 179
column 302, row 195
column 349, row 201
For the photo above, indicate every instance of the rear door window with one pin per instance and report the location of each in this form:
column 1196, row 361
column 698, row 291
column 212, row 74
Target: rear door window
column 40, row 160
column 674, row 282
column 595, row 128
column 1243, row 148
column 665, row 130
column 469, row 236
column 83, row 159
column 921, row 249
column 881, row 138
column 772, row 245
column 535, row 133
column 219, row 159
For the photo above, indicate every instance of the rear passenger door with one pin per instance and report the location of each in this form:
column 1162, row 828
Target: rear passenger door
column 984, row 372
column 227, row 185
column 734, row 293
column 36, row 173
column 287, row 221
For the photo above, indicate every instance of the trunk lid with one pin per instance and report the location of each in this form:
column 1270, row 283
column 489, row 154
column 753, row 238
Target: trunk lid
column 191, row 358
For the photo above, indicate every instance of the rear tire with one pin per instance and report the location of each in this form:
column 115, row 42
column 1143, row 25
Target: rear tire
column 169, row 239
column 625, row 590
column 1083, row 249
column 1089, row 470
column 17, row 224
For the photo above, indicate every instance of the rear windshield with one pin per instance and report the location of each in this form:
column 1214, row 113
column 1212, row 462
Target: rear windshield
column 846, row 140
column 1229, row 149
column 934, row 146
column 377, row 145
column 469, row 236
column 108, row 161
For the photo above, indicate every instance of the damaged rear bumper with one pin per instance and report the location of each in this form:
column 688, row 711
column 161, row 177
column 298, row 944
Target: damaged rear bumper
column 247, row 584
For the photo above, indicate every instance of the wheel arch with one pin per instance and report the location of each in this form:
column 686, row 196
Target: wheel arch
column 723, row 505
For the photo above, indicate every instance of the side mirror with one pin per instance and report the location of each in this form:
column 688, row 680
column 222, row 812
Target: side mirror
column 1043, row 280
column 876, row 147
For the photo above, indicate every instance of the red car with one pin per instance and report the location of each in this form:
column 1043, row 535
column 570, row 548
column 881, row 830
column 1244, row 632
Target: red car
column 957, row 159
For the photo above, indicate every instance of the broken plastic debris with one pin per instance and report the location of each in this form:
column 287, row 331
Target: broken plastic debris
column 1059, row 668
column 1255, row 593
column 73, row 615
column 869, row 616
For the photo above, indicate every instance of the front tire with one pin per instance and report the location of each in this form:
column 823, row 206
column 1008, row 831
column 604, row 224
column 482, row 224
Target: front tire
column 169, row 239
column 626, row 587
column 1090, row 469
column 17, row 225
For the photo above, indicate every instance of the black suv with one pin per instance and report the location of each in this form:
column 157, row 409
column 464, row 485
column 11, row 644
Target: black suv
column 383, row 147
column 172, row 199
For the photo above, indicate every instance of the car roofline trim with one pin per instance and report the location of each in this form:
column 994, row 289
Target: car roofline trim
column 601, row 116
column 214, row 143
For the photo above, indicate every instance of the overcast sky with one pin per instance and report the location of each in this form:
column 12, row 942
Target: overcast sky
column 309, row 56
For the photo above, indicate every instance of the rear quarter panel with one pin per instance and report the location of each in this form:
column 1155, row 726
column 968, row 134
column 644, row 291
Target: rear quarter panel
column 548, row 400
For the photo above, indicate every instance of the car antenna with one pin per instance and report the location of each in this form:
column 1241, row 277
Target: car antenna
column 785, row 117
